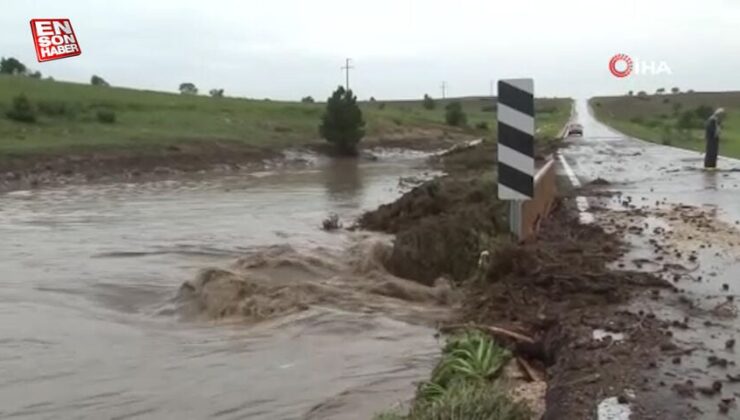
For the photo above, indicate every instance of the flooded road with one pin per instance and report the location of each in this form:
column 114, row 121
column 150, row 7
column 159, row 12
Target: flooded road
column 683, row 223
column 90, row 328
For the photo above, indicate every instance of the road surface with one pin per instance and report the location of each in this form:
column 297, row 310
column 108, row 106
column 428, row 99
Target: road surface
column 683, row 223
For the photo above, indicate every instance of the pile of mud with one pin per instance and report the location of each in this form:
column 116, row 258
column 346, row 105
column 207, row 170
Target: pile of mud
column 441, row 227
column 560, row 291
column 280, row 280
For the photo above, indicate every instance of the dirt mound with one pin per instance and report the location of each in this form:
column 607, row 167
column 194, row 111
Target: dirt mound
column 441, row 227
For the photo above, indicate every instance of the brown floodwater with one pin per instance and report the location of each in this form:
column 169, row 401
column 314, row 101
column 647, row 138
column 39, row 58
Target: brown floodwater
column 92, row 323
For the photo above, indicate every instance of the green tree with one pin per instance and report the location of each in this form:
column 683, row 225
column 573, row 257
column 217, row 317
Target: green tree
column 342, row 124
column 307, row 100
column 660, row 91
column 35, row 75
column 22, row 110
column 631, row 93
column 704, row 111
column 188, row 88
column 11, row 65
column 428, row 102
column 675, row 90
column 216, row 93
column 454, row 114
column 96, row 80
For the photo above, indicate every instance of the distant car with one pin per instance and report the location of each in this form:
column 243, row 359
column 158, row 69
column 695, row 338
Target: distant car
column 574, row 130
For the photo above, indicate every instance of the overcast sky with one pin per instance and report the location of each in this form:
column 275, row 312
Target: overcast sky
column 286, row 49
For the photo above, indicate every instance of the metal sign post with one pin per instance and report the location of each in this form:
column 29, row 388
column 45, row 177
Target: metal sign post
column 515, row 111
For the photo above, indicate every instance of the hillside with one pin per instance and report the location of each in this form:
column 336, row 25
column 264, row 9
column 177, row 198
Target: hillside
column 674, row 119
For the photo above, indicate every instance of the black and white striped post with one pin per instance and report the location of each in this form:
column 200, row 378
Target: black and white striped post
column 515, row 145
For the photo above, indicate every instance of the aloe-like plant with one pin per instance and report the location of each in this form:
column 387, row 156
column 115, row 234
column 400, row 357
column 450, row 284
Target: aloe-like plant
column 470, row 356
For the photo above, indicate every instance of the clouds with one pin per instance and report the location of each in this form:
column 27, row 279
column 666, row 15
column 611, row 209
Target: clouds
column 401, row 48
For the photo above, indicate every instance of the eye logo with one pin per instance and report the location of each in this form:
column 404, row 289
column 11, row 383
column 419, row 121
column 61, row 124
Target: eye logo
column 620, row 58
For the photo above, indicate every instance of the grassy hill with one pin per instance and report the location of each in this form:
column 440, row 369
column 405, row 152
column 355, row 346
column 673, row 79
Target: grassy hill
column 148, row 122
column 675, row 119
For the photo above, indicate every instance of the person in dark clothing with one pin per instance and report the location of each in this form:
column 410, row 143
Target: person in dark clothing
column 711, row 135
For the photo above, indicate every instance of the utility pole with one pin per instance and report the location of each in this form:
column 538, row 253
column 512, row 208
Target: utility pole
column 347, row 67
column 444, row 89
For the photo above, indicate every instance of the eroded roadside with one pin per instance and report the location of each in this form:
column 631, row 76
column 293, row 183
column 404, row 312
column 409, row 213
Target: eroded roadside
column 559, row 293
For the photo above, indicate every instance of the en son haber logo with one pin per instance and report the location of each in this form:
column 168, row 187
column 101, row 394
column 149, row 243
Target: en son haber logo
column 54, row 39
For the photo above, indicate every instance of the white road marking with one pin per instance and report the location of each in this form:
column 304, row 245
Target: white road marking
column 584, row 215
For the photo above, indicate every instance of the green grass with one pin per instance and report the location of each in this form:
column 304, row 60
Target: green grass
column 463, row 384
column 147, row 121
column 654, row 118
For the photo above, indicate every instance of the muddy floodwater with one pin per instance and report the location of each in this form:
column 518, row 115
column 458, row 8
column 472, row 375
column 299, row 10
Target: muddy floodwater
column 92, row 324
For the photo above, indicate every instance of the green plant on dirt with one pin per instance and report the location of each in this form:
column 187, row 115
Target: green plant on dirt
column 470, row 356
column 342, row 124
column 454, row 114
column 482, row 125
column 22, row 110
column 428, row 103
column 105, row 116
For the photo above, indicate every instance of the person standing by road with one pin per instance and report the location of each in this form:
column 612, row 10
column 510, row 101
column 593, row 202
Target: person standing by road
column 711, row 135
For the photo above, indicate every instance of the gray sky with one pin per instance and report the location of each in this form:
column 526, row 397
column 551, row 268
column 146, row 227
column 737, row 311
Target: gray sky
column 286, row 49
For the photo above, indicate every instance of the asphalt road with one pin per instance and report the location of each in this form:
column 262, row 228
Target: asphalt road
column 661, row 192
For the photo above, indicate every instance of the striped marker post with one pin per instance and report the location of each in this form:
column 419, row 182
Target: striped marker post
column 515, row 139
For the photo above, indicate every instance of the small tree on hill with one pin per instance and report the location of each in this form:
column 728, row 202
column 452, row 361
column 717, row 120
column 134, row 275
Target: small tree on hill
column 342, row 124
column 428, row 102
column 188, row 88
column 675, row 90
column 454, row 114
column 216, row 93
column 22, row 110
column 660, row 91
column 96, row 80
column 307, row 100
column 11, row 65
column 631, row 93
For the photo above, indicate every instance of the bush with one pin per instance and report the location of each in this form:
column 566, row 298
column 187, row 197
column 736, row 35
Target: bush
column 22, row 110
column 96, row 80
column 216, row 93
column 428, row 102
column 454, row 115
column 482, row 125
column 704, row 112
column 471, row 401
column 106, row 116
column 637, row 120
column 688, row 120
column 307, row 100
column 488, row 108
column 342, row 124
column 56, row 109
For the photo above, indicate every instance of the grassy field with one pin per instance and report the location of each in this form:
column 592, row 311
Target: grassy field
column 657, row 118
column 148, row 121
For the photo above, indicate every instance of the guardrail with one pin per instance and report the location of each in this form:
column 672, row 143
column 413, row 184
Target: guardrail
column 526, row 216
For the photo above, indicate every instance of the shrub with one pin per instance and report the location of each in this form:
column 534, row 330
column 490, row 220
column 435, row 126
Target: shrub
column 428, row 102
column 688, row 120
column 704, row 111
column 631, row 93
column 381, row 105
column 488, row 108
column 105, row 116
column 307, row 100
column 454, row 114
column 482, row 125
column 470, row 401
column 675, row 90
column 342, row 124
column 53, row 108
column 637, row 120
column 96, row 80
column 372, row 99
column 216, row 93
column 22, row 110
column 666, row 100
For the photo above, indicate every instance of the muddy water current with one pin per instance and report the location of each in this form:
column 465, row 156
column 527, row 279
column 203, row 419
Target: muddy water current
column 209, row 298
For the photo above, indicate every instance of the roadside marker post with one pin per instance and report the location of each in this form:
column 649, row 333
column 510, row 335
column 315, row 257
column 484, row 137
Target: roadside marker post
column 516, row 127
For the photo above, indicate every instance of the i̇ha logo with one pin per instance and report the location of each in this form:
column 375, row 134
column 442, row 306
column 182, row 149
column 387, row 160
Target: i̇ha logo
column 622, row 65
column 54, row 39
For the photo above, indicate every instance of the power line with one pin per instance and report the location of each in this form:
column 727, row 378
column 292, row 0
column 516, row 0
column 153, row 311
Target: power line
column 347, row 67
column 444, row 89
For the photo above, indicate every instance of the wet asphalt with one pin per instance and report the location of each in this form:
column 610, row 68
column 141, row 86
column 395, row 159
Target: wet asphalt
column 659, row 180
